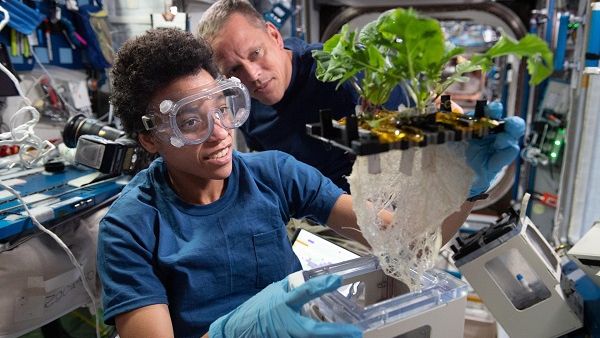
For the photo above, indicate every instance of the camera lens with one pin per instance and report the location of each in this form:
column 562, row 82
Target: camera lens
column 80, row 125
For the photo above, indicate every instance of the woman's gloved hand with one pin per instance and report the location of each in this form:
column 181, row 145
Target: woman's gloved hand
column 487, row 156
column 275, row 312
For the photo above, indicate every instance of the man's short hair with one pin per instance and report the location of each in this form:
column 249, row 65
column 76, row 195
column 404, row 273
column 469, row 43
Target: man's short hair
column 150, row 62
column 217, row 14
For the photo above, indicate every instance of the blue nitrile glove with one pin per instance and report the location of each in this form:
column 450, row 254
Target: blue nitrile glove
column 487, row 156
column 275, row 312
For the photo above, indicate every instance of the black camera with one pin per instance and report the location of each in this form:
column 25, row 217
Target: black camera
column 100, row 146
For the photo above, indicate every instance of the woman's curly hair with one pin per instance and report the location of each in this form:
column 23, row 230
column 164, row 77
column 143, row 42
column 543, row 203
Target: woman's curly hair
column 150, row 62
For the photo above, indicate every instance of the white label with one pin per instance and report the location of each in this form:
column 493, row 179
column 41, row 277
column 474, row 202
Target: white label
column 6, row 194
column 12, row 217
column 79, row 93
column 83, row 180
column 14, row 181
column 34, row 198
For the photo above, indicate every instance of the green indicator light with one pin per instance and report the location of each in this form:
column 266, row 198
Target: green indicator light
column 553, row 154
column 557, row 142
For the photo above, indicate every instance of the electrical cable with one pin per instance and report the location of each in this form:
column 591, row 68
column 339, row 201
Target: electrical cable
column 72, row 110
column 110, row 114
column 49, row 198
column 29, row 138
column 534, row 156
column 62, row 246
column 22, row 239
column 5, row 19
column 23, row 135
column 108, row 331
column 35, row 82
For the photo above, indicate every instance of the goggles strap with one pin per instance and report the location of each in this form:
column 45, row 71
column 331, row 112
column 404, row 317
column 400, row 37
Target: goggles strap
column 149, row 122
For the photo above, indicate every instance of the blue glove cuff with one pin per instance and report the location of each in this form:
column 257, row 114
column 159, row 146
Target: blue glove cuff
column 215, row 329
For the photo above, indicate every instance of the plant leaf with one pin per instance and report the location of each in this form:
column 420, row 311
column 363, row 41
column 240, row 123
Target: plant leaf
column 539, row 57
column 375, row 58
column 401, row 46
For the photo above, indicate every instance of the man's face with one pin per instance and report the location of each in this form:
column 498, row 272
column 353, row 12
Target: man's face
column 195, row 163
column 256, row 56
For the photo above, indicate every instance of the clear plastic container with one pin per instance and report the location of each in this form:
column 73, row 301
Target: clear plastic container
column 370, row 299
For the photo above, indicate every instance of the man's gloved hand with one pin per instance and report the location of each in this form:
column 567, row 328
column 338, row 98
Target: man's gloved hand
column 487, row 156
column 275, row 312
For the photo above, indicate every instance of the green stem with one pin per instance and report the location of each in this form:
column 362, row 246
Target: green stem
column 357, row 87
column 376, row 70
column 411, row 71
column 412, row 92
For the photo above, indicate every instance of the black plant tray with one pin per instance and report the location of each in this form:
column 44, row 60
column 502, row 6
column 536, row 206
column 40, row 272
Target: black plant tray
column 363, row 142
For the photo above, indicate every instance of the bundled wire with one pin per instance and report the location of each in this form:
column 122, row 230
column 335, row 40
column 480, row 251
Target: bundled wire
column 24, row 136
column 64, row 247
column 32, row 149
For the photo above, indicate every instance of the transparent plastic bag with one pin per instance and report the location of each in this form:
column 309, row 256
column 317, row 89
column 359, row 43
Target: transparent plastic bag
column 420, row 187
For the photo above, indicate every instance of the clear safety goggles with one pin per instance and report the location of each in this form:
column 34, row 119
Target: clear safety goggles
column 191, row 120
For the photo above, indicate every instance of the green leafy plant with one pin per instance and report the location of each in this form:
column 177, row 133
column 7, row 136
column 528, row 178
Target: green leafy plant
column 403, row 47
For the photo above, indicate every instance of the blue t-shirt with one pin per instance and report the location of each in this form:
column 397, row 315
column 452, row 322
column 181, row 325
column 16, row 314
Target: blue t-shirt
column 205, row 260
column 283, row 125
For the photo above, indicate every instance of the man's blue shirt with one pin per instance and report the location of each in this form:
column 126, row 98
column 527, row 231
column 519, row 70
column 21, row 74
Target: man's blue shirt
column 205, row 260
column 283, row 125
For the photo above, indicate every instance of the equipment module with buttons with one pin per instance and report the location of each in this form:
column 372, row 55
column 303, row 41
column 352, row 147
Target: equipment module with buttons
column 517, row 275
column 52, row 197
